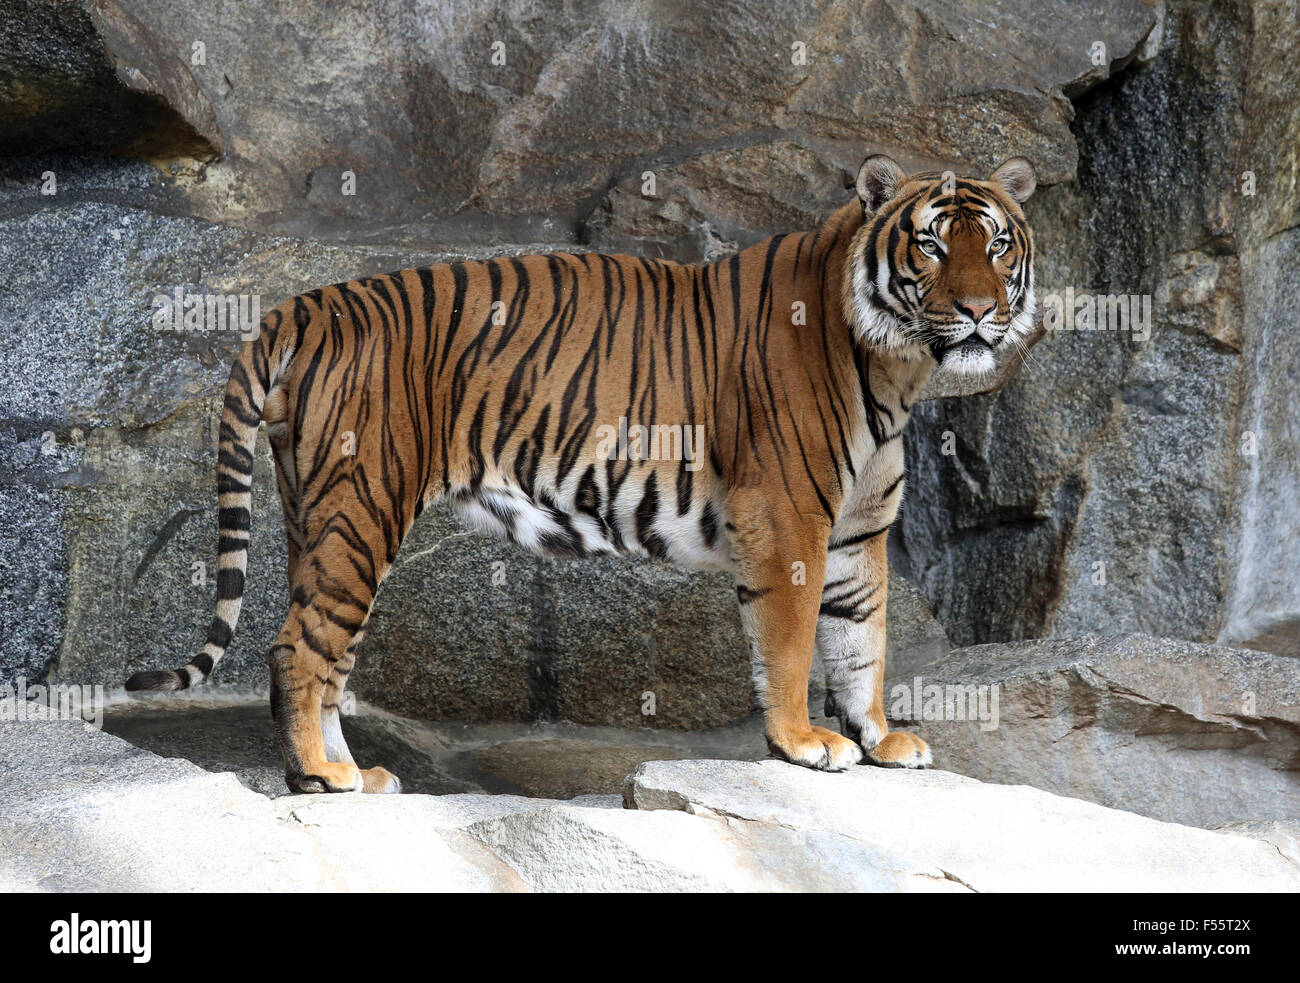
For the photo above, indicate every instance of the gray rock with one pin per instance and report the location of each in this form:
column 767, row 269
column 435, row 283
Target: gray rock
column 60, row 88
column 473, row 628
column 913, row 637
column 101, row 815
column 979, row 837
column 560, row 848
column 222, row 730
column 1264, row 566
column 81, row 811
column 580, row 101
column 1283, row 639
column 1186, row 733
column 1285, row 836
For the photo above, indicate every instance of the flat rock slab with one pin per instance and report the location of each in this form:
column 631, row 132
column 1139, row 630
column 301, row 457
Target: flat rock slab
column 983, row 837
column 81, row 810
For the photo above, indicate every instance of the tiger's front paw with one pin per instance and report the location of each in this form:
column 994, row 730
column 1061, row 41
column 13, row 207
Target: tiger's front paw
column 815, row 747
column 332, row 776
column 900, row 749
column 327, row 776
column 380, row 781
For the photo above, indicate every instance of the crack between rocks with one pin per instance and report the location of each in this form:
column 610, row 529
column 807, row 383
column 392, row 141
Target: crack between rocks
column 1077, row 727
column 1234, row 720
column 164, row 536
column 406, row 561
column 1280, row 853
column 691, row 808
column 950, row 876
column 710, row 813
column 721, row 814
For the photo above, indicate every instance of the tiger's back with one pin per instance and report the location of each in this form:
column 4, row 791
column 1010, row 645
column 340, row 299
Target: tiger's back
column 591, row 426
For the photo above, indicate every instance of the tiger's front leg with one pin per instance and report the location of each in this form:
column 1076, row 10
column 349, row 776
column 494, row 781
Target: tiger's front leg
column 851, row 638
column 781, row 558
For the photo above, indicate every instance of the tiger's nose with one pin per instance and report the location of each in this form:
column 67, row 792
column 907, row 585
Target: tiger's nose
column 976, row 310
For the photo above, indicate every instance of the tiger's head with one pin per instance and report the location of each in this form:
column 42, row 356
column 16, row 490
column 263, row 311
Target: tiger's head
column 942, row 266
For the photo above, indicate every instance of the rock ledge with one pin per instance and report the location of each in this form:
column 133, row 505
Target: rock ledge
column 81, row 810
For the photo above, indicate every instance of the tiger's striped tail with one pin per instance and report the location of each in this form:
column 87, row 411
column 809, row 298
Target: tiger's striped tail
column 250, row 381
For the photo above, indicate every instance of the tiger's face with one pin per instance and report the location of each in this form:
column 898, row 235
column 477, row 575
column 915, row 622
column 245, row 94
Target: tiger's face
column 942, row 266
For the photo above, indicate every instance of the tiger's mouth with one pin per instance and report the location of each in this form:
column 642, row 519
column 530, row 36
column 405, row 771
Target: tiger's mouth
column 971, row 355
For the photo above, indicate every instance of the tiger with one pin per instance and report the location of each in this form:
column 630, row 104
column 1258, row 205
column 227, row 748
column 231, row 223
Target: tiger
column 493, row 384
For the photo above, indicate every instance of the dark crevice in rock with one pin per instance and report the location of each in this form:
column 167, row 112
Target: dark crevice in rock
column 543, row 686
column 162, row 539
column 59, row 90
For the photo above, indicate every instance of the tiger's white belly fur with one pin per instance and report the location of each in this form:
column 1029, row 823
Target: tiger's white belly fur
column 550, row 522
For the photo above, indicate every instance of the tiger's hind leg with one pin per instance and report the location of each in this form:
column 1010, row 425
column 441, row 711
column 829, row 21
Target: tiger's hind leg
column 334, row 745
column 851, row 638
column 336, row 574
column 309, row 663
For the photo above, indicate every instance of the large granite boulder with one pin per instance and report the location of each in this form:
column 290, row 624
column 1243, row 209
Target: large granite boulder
column 1186, row 733
column 469, row 119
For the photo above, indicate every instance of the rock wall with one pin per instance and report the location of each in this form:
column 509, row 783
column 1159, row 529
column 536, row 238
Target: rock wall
column 1184, row 733
column 209, row 150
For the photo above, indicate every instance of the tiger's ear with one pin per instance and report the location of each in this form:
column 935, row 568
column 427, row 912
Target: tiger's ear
column 1016, row 175
column 879, row 179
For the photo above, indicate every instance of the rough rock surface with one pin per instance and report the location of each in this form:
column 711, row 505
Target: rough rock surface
column 1187, row 733
column 514, row 113
column 61, row 88
column 1283, row 835
column 913, row 637
column 981, row 837
column 99, row 814
column 1176, row 731
column 222, row 730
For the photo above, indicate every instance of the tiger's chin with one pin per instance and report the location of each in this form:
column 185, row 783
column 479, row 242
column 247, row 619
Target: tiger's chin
column 972, row 356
